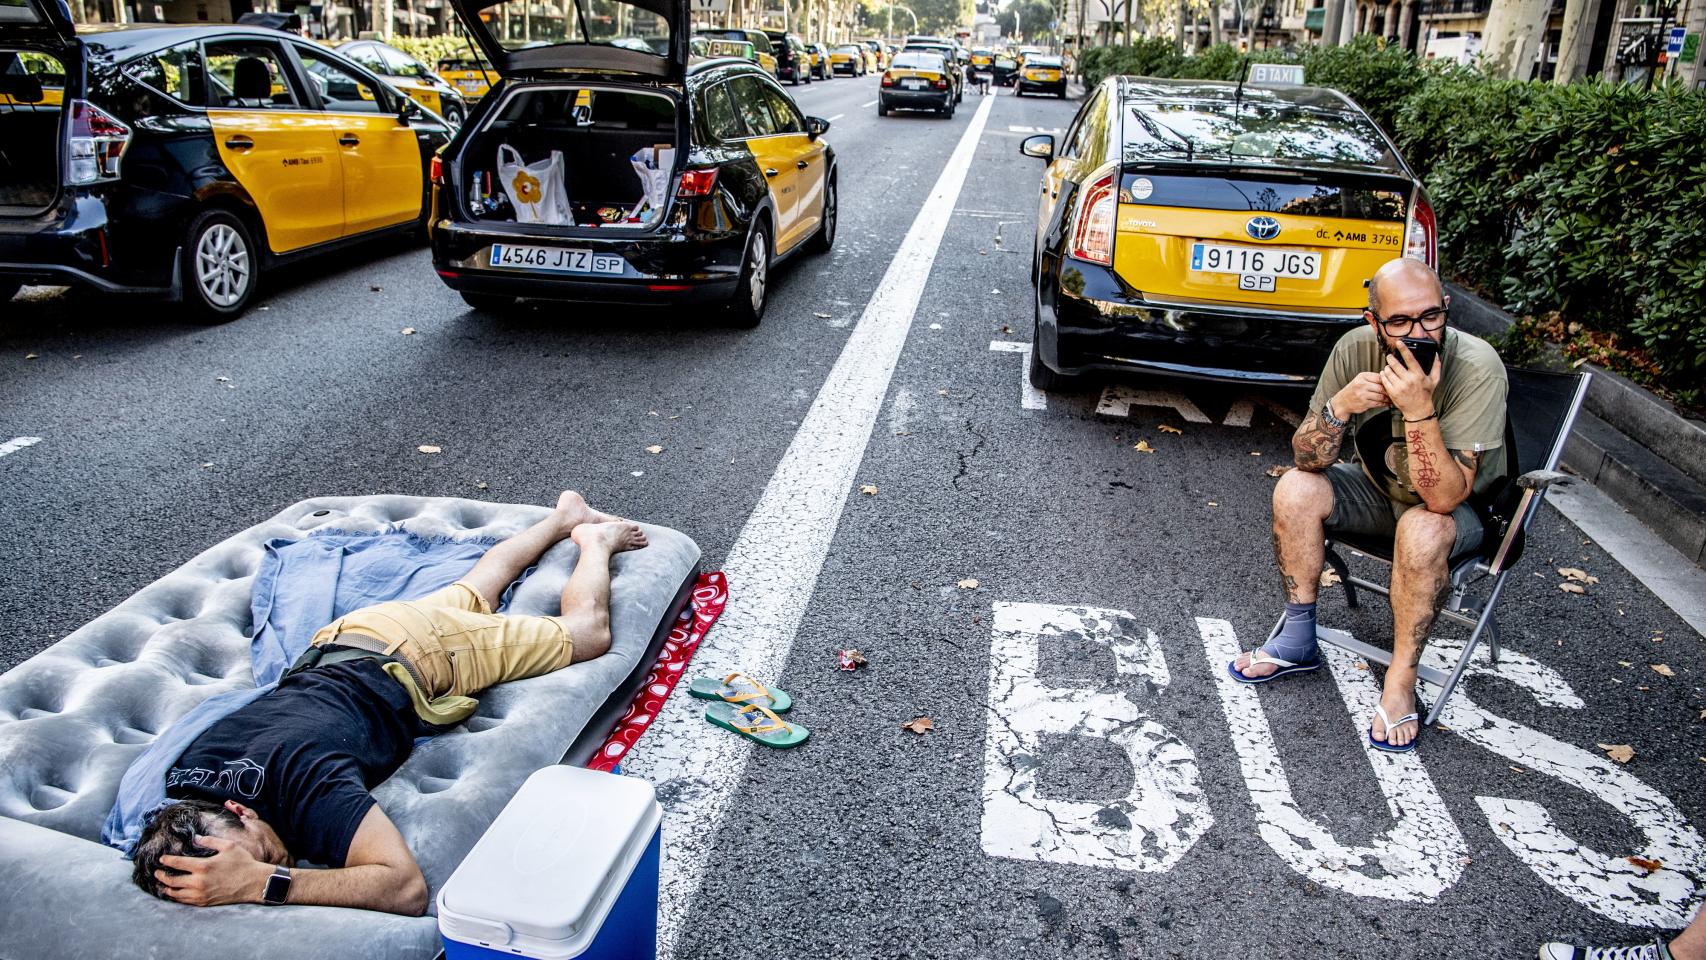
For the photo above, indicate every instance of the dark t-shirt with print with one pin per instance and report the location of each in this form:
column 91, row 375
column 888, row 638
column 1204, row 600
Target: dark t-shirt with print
column 306, row 755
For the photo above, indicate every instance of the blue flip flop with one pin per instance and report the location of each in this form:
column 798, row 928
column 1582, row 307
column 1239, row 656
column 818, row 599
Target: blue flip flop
column 1286, row 667
column 1385, row 747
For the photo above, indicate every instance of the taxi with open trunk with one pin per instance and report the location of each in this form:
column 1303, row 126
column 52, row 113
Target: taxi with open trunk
column 609, row 165
column 1214, row 230
column 183, row 161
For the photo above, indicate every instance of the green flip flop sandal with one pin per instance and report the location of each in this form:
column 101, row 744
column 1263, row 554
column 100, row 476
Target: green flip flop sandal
column 758, row 724
column 747, row 690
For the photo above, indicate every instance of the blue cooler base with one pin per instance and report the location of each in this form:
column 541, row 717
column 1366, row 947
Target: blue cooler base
column 629, row 932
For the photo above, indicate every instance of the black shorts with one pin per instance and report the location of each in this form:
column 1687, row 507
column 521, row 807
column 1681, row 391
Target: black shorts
column 1360, row 507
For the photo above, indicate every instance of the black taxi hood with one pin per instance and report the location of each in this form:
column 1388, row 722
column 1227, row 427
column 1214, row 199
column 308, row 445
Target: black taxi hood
column 574, row 54
column 36, row 22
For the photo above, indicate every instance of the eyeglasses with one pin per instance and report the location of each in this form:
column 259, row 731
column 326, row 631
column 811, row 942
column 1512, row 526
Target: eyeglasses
column 1430, row 320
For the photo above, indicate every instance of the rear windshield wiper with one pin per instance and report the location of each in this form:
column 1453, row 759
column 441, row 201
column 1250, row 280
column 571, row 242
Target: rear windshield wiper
column 1154, row 128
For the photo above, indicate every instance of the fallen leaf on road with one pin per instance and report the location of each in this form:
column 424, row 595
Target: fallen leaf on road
column 941, row 393
column 869, row 489
column 1578, row 575
column 654, row 448
column 1466, row 861
column 481, row 484
column 824, row 316
column 651, row 413
column 1621, row 752
column 1662, row 669
column 1516, row 769
column 1329, row 578
column 1625, row 663
column 1143, row 447
column 1362, row 665
column 1643, row 863
column 1006, row 329
column 1255, row 453
column 429, row 448
column 1164, row 428
column 968, row 584
column 919, row 725
column 207, row 466
column 1214, row 503
column 408, row 331
column 852, row 660
column 32, row 356
column 375, row 288
column 1703, row 714
column 1277, row 470
column 1572, row 587
column 222, row 379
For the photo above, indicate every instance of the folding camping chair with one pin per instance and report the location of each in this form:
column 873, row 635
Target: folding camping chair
column 1540, row 409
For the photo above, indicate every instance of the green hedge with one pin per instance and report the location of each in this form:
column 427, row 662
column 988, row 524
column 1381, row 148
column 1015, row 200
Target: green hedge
column 1582, row 205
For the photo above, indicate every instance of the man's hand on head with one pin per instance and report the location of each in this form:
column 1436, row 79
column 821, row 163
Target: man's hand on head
column 231, row 875
column 1411, row 390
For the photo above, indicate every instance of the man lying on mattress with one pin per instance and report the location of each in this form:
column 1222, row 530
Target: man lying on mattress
column 287, row 777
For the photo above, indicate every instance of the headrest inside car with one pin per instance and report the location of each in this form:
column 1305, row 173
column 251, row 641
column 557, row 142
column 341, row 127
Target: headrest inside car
column 250, row 80
column 22, row 88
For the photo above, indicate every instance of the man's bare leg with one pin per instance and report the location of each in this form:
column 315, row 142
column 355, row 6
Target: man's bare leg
column 1302, row 503
column 1420, row 582
column 505, row 561
column 586, row 597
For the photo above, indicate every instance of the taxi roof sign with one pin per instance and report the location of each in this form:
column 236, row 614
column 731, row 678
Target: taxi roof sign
column 1276, row 74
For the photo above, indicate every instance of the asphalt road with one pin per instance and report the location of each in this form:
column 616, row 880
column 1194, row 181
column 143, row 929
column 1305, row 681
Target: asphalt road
column 1091, row 786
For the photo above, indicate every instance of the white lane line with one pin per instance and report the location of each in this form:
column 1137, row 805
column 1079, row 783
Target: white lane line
column 1030, row 398
column 773, row 566
column 868, row 104
column 1665, row 571
column 1118, row 399
column 17, row 443
column 837, row 117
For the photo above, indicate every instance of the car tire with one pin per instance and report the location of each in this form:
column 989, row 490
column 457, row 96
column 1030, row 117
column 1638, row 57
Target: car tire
column 752, row 293
column 220, row 266
column 1045, row 379
column 488, row 302
column 824, row 239
column 882, row 107
column 453, row 115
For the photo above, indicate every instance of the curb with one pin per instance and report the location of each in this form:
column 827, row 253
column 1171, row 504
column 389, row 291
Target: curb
column 1628, row 442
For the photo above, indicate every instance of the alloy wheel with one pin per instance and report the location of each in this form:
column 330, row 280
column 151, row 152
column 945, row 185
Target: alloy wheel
column 222, row 265
column 758, row 266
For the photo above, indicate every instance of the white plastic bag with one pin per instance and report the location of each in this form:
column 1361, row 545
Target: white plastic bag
column 535, row 190
column 653, row 165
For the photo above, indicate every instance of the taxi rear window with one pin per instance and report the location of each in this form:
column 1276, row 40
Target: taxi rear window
column 917, row 61
column 523, row 24
column 1254, row 132
column 1303, row 198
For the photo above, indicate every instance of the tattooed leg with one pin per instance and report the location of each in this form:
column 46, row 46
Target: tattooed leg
column 1420, row 584
column 1302, row 502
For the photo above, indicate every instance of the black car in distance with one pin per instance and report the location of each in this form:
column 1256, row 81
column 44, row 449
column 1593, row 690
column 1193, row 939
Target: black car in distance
column 793, row 60
column 598, row 171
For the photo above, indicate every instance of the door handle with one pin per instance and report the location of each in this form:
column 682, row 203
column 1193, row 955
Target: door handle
column 801, row 164
column 238, row 143
column 770, row 171
column 349, row 140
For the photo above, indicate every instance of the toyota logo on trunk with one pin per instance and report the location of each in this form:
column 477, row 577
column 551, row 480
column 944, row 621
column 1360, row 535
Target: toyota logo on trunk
column 1262, row 228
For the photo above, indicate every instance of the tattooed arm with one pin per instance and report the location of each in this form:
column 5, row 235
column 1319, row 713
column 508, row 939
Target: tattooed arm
column 1443, row 478
column 1316, row 444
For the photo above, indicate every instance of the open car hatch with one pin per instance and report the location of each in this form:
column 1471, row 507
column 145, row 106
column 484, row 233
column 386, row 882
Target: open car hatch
column 612, row 38
column 40, row 22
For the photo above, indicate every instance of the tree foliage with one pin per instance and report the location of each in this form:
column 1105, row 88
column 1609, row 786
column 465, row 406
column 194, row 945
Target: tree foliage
column 1025, row 19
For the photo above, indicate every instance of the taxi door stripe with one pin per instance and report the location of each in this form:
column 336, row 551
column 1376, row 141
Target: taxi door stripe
column 781, row 551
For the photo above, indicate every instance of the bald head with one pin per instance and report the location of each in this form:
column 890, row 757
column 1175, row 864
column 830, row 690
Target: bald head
column 1404, row 280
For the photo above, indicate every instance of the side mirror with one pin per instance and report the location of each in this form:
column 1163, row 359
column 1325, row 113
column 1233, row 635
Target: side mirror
column 818, row 126
column 1040, row 146
column 407, row 110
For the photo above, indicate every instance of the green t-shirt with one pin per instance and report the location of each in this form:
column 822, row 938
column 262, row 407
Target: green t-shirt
column 1470, row 401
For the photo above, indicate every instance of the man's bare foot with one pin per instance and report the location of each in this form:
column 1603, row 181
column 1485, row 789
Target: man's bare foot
column 573, row 511
column 1396, row 704
column 612, row 536
column 1258, row 670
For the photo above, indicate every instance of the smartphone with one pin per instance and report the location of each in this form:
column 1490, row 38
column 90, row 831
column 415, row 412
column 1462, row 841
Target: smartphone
column 1424, row 349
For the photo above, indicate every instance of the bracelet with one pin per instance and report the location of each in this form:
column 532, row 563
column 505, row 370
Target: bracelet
column 1431, row 416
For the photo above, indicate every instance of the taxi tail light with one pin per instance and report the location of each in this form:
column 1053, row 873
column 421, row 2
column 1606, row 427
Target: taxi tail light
column 435, row 170
column 1093, row 221
column 95, row 143
column 1421, row 235
column 941, row 83
column 696, row 184
column 888, row 79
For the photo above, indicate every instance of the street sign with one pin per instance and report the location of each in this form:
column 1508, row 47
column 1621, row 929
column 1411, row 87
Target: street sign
column 1276, row 74
column 1673, row 44
column 710, row 6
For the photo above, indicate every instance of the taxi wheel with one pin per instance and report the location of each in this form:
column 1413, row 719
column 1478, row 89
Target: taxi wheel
column 453, row 116
column 824, row 238
column 489, row 302
column 752, row 293
column 220, row 266
column 882, row 108
column 1045, row 379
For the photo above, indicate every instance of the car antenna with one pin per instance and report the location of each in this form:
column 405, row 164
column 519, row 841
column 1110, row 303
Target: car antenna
column 1238, row 95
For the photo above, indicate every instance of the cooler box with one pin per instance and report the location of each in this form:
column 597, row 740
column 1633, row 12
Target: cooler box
column 568, row 869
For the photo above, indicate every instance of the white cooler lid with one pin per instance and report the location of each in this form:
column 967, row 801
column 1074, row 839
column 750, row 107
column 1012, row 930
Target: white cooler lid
column 553, row 862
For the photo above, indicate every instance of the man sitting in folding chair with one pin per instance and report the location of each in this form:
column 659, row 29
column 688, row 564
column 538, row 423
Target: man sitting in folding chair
column 1427, row 437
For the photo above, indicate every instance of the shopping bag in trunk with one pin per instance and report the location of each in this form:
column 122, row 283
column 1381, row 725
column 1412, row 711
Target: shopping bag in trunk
column 653, row 166
column 536, row 190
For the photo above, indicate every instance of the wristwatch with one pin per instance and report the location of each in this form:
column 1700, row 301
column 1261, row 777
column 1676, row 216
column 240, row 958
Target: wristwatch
column 278, row 886
column 1328, row 418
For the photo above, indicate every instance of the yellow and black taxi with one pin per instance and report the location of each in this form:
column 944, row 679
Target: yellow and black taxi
column 982, row 60
column 876, row 58
column 849, row 58
column 764, row 54
column 467, row 74
column 186, row 160
column 680, row 181
column 1042, row 73
column 410, row 76
column 916, row 80
column 949, row 52
column 1195, row 229
column 820, row 61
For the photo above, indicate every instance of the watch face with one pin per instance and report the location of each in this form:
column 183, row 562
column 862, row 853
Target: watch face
column 278, row 886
